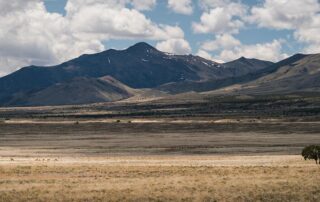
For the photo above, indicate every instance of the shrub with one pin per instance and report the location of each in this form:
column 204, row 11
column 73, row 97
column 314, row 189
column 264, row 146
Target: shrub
column 311, row 152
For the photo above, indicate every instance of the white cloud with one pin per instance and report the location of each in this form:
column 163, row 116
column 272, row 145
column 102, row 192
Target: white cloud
column 176, row 46
column 284, row 14
column 143, row 4
column 208, row 4
column 271, row 51
column 224, row 19
column 113, row 20
column 181, row 6
column 227, row 17
column 223, row 41
column 309, row 35
column 105, row 22
column 29, row 34
column 301, row 16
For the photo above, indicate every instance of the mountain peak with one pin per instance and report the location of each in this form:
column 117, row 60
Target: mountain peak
column 242, row 58
column 141, row 46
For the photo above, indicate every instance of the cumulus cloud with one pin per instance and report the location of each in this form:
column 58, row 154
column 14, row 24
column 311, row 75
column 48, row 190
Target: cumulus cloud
column 301, row 16
column 181, row 6
column 221, row 19
column 29, row 34
column 271, row 51
column 176, row 46
column 111, row 19
column 227, row 48
column 223, row 41
column 105, row 22
column 284, row 14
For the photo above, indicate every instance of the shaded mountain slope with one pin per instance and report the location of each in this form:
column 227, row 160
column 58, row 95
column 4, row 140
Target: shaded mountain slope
column 79, row 90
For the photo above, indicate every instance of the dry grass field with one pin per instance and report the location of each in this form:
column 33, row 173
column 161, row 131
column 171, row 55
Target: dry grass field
column 160, row 178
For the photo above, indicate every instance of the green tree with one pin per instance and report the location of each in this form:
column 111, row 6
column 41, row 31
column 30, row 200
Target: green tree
column 311, row 152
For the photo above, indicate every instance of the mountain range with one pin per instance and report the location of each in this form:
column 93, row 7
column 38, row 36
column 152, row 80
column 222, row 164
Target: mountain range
column 143, row 72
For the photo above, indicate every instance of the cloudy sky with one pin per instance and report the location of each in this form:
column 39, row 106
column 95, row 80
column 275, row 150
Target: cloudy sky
column 48, row 32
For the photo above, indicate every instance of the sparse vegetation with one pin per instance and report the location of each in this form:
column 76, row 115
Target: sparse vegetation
column 311, row 152
column 165, row 181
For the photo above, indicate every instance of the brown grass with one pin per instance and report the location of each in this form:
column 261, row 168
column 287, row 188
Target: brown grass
column 160, row 178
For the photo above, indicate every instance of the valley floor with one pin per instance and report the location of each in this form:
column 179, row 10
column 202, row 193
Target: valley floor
column 219, row 151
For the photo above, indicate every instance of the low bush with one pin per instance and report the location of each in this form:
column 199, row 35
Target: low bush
column 311, row 152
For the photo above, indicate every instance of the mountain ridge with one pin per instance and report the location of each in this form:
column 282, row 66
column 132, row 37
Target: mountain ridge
column 141, row 71
column 139, row 66
column 298, row 73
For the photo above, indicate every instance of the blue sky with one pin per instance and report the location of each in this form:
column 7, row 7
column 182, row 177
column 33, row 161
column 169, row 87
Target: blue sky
column 48, row 32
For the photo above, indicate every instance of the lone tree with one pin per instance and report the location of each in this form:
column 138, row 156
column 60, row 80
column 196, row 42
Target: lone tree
column 311, row 152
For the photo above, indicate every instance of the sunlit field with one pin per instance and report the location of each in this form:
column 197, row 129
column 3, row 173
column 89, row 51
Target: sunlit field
column 160, row 178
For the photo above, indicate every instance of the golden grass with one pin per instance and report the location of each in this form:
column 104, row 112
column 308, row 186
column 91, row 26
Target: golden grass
column 160, row 178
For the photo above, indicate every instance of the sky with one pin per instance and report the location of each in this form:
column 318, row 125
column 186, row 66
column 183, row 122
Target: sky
column 49, row 32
